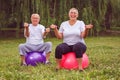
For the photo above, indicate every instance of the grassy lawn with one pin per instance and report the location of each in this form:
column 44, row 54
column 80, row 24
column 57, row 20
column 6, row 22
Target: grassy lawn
column 103, row 53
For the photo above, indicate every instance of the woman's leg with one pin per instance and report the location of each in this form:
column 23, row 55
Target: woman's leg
column 79, row 50
column 59, row 51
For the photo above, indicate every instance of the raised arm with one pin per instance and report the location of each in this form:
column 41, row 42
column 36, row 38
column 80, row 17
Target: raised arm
column 26, row 30
column 57, row 34
column 85, row 33
column 47, row 30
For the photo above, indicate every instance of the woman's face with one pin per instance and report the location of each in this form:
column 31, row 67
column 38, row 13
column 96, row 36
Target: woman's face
column 35, row 19
column 73, row 14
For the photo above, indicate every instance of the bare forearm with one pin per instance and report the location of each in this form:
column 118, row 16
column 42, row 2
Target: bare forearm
column 27, row 32
column 26, row 29
column 57, row 34
column 86, row 33
column 47, row 30
column 45, row 34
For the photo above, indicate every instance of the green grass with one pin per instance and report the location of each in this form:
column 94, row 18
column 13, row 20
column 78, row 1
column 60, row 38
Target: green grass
column 103, row 53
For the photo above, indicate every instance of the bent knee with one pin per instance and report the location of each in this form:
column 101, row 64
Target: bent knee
column 21, row 46
column 48, row 44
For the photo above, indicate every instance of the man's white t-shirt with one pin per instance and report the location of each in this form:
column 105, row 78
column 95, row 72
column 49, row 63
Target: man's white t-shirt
column 71, row 34
column 36, row 34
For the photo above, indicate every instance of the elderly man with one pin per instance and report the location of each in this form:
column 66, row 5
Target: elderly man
column 35, row 34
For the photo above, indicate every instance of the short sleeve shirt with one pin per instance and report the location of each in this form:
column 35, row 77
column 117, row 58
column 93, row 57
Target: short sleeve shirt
column 71, row 34
column 36, row 34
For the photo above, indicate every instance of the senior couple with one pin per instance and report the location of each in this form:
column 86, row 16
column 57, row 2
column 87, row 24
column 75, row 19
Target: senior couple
column 72, row 31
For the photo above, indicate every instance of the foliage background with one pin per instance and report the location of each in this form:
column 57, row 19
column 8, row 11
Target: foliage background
column 103, row 14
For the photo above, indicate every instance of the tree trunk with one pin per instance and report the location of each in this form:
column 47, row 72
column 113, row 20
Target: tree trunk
column 108, row 16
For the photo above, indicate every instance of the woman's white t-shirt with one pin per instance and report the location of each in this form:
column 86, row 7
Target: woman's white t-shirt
column 71, row 34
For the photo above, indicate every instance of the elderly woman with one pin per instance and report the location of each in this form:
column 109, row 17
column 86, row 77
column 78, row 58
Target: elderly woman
column 73, row 32
column 34, row 34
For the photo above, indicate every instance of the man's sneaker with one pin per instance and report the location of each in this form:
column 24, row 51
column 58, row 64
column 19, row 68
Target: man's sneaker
column 23, row 64
column 48, row 62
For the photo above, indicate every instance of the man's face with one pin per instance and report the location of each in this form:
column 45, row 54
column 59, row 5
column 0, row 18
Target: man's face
column 35, row 19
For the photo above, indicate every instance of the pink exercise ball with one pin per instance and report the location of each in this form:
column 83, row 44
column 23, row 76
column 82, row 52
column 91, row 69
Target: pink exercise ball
column 69, row 61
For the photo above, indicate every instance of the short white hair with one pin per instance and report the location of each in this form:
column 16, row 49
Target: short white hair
column 73, row 9
column 35, row 14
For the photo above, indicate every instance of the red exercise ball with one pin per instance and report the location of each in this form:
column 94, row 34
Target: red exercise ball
column 69, row 61
column 85, row 61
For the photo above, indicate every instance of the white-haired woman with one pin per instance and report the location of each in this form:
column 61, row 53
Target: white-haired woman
column 72, row 32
